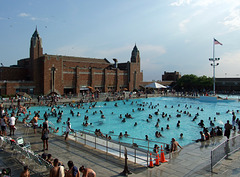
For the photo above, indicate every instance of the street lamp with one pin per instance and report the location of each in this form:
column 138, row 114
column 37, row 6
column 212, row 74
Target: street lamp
column 214, row 64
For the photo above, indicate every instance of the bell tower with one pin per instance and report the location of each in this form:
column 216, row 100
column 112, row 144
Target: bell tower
column 36, row 49
column 135, row 58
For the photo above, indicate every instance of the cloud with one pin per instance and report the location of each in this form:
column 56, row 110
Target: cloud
column 182, row 25
column 24, row 15
column 204, row 3
column 233, row 20
column 180, row 2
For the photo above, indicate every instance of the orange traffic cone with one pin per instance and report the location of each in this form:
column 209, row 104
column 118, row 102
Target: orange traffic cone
column 157, row 160
column 162, row 159
column 151, row 162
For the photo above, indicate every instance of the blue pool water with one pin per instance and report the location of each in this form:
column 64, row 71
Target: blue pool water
column 168, row 105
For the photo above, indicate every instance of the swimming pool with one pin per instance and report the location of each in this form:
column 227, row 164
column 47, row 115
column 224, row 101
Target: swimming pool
column 140, row 110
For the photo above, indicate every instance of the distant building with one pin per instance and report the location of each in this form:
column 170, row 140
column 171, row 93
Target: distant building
column 43, row 73
column 171, row 76
column 227, row 85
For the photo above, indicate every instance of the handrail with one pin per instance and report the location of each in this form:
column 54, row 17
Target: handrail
column 92, row 132
column 225, row 148
column 136, row 151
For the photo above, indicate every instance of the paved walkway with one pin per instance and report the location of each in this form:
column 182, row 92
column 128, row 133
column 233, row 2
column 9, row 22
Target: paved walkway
column 192, row 160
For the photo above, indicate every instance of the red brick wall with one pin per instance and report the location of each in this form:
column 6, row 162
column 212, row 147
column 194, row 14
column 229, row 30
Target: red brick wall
column 13, row 73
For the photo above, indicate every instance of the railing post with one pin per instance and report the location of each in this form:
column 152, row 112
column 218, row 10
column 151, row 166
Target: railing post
column 106, row 146
column 95, row 142
column 119, row 148
column 75, row 136
column 147, row 158
column 211, row 161
column 135, row 161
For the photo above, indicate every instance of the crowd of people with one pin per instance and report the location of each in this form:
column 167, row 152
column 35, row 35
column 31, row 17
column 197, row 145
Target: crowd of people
column 10, row 119
column 209, row 129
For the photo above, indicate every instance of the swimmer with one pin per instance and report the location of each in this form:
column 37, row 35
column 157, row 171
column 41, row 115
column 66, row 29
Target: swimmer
column 135, row 124
column 126, row 134
column 181, row 136
column 167, row 127
column 178, row 124
column 120, row 135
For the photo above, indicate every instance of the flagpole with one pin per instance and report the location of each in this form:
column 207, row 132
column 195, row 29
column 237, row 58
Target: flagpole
column 214, row 64
column 213, row 67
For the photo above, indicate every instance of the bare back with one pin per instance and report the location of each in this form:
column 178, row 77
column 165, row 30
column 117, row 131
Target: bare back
column 54, row 172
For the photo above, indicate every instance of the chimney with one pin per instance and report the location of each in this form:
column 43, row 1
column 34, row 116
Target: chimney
column 115, row 62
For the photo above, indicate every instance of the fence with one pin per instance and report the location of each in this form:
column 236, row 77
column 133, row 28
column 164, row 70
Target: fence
column 224, row 150
column 26, row 156
column 136, row 150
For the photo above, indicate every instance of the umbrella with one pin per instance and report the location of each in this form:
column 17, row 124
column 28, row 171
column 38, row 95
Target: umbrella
column 91, row 88
column 155, row 85
column 24, row 95
column 52, row 94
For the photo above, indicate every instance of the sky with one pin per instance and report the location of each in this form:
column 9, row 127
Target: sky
column 171, row 35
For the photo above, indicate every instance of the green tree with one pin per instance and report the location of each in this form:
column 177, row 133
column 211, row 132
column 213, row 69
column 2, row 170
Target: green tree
column 193, row 83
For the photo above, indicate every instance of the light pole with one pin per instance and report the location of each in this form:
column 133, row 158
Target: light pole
column 214, row 64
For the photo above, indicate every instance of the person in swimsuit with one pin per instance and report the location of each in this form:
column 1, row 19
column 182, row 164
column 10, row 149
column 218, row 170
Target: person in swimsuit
column 87, row 172
column 4, row 125
column 34, row 121
column 45, row 132
column 68, row 128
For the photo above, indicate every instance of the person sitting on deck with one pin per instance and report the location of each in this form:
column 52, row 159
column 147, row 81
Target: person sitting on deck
column 174, row 145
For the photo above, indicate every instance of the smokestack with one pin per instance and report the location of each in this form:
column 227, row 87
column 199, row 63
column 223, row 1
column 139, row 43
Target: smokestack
column 115, row 62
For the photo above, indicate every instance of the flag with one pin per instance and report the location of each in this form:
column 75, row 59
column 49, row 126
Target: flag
column 217, row 42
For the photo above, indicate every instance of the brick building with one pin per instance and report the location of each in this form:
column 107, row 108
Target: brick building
column 43, row 73
column 171, row 76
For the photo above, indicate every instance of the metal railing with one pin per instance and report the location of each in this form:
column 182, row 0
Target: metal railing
column 26, row 156
column 138, row 150
column 224, row 149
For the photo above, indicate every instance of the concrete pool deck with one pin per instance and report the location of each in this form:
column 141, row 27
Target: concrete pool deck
column 192, row 160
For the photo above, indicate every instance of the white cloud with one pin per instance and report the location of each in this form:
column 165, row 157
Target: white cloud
column 233, row 20
column 204, row 3
column 24, row 15
column 182, row 25
column 31, row 17
column 180, row 2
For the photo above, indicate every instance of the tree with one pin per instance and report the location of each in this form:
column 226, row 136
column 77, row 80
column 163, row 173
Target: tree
column 193, row 83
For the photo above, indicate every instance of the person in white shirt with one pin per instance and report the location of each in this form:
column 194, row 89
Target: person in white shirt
column 68, row 128
column 12, row 121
